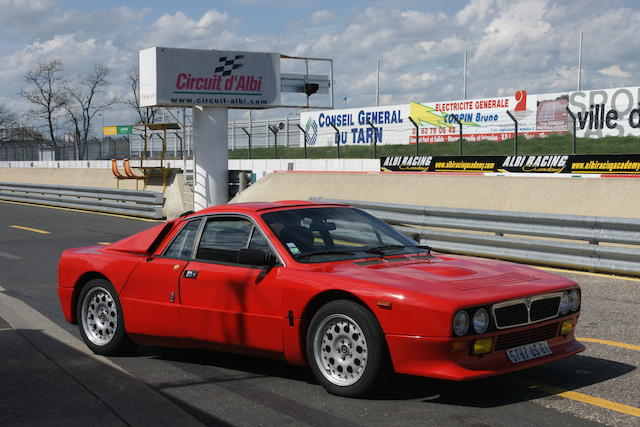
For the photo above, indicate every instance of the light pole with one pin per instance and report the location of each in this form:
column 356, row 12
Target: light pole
column 99, row 141
column 464, row 77
column 580, row 62
column 344, row 98
column 378, row 83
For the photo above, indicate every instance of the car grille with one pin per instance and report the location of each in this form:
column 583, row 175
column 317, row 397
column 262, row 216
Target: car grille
column 516, row 339
column 523, row 311
column 511, row 315
column 544, row 308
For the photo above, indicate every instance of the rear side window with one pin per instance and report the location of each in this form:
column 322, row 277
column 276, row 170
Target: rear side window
column 182, row 245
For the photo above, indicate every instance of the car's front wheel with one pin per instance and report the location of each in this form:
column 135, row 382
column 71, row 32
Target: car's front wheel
column 100, row 319
column 346, row 349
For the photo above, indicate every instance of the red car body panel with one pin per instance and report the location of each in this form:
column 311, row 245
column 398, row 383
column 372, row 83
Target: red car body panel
column 141, row 242
column 266, row 311
column 432, row 357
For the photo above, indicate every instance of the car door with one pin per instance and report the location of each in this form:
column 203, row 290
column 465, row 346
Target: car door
column 151, row 295
column 228, row 303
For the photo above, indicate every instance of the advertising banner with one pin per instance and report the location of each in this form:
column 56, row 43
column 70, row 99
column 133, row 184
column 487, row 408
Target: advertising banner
column 598, row 113
column 210, row 78
column 117, row 130
column 606, row 112
column 354, row 126
column 481, row 119
column 628, row 164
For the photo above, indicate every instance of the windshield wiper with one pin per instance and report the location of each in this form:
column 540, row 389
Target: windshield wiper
column 380, row 250
column 336, row 252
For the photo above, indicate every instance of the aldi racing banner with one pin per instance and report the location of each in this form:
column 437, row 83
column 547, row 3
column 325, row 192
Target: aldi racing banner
column 574, row 164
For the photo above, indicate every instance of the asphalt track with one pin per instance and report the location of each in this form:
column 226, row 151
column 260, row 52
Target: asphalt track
column 600, row 385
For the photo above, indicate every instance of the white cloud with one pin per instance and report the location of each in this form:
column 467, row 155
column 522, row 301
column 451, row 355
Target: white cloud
column 41, row 19
column 213, row 29
column 614, row 71
column 320, row 16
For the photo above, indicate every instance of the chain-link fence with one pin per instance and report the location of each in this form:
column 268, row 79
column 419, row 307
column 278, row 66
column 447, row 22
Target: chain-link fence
column 24, row 151
column 491, row 134
column 242, row 134
column 96, row 149
column 264, row 133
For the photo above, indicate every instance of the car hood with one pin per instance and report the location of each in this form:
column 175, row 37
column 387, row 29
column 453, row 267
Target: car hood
column 464, row 279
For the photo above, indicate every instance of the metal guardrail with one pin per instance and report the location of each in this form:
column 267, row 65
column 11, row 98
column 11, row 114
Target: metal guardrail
column 572, row 241
column 145, row 204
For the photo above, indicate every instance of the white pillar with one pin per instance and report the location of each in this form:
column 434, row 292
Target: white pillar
column 210, row 135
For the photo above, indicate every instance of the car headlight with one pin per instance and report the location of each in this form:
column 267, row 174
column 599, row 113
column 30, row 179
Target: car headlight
column 564, row 303
column 481, row 321
column 574, row 300
column 461, row 323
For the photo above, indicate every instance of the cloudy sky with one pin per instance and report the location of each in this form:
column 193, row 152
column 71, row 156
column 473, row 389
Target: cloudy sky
column 512, row 44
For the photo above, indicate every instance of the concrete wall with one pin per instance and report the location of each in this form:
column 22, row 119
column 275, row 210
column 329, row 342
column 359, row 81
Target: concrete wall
column 557, row 193
column 90, row 164
column 174, row 191
column 261, row 166
column 618, row 197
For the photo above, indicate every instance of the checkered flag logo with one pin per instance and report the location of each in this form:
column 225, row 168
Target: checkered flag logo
column 228, row 65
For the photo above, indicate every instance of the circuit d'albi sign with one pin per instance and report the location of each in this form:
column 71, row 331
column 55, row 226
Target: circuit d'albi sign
column 190, row 77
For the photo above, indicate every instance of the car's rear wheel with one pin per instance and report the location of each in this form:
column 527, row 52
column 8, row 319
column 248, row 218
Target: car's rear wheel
column 100, row 319
column 346, row 349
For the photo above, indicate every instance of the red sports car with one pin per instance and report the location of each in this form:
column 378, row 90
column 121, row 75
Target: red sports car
column 319, row 284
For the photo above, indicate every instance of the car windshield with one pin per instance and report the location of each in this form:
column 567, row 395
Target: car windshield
column 336, row 233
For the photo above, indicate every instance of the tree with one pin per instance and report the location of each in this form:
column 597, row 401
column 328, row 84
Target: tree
column 6, row 117
column 46, row 92
column 145, row 114
column 83, row 101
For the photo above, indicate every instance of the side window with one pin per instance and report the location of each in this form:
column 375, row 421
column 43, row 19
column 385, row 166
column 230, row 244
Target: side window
column 222, row 238
column 258, row 241
column 182, row 245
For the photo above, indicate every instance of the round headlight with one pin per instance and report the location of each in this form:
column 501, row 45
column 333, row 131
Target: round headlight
column 574, row 300
column 564, row 303
column 481, row 321
column 461, row 323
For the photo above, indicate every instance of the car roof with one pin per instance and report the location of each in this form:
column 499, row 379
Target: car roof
column 263, row 206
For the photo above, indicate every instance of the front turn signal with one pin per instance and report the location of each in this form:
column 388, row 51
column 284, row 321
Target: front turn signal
column 567, row 327
column 459, row 346
column 482, row 346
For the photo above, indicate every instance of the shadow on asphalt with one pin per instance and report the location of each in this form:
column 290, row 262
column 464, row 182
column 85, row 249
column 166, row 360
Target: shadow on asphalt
column 46, row 382
column 249, row 366
column 568, row 374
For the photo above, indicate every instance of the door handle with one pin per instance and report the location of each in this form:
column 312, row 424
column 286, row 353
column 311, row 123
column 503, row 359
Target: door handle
column 190, row 274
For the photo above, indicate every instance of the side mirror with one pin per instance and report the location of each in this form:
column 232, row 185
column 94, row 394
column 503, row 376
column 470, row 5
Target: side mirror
column 256, row 257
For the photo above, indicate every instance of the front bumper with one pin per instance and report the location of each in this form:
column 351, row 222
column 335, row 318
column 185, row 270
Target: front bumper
column 433, row 357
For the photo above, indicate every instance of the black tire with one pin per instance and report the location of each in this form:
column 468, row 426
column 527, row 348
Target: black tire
column 346, row 349
column 100, row 319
